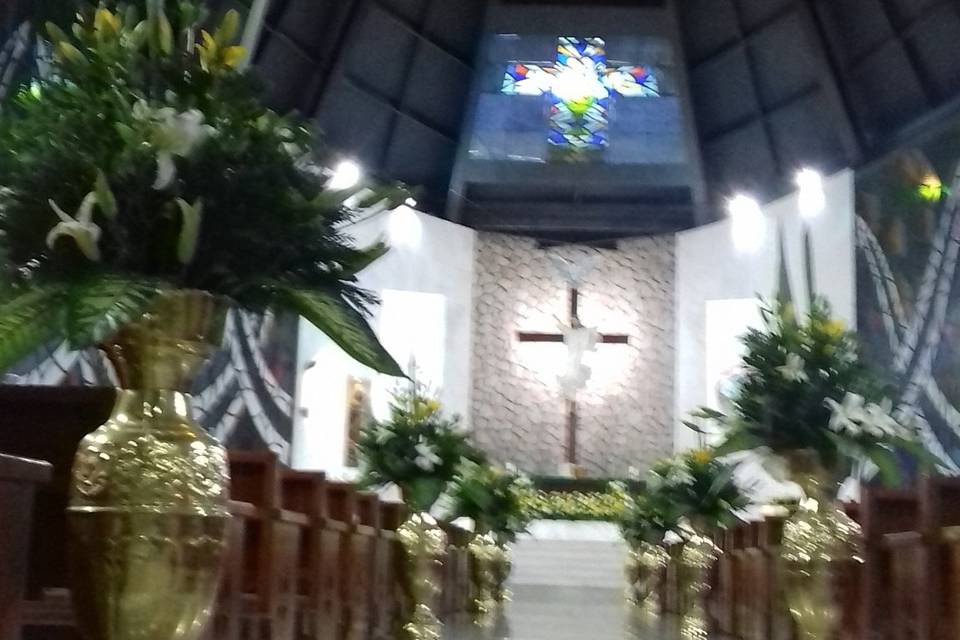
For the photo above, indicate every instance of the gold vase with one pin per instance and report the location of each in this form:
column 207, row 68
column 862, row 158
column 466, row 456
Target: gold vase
column 148, row 504
column 487, row 559
column 644, row 569
column 502, row 568
column 817, row 538
column 696, row 560
column 424, row 543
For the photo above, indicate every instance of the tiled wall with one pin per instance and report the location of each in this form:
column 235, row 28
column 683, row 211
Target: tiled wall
column 626, row 411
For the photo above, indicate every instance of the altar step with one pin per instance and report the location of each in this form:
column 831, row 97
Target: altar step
column 581, row 555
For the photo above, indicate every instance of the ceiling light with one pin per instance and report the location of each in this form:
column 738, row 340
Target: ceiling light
column 812, row 198
column 346, row 175
column 411, row 202
column 748, row 224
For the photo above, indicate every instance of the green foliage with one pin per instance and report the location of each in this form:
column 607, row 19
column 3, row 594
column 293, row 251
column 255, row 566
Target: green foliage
column 99, row 306
column 492, row 498
column 647, row 517
column 417, row 448
column 588, row 506
column 797, row 372
column 27, row 320
column 148, row 130
column 697, row 487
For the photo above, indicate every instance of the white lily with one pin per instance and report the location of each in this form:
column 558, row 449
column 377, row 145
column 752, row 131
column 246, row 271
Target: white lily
column 427, row 458
column 795, row 368
column 848, row 416
column 879, row 421
column 84, row 231
column 175, row 134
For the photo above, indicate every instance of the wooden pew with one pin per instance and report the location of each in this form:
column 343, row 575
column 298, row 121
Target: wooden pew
column 939, row 568
column 271, row 547
column 319, row 556
column 364, row 547
column 342, row 507
column 888, row 589
column 390, row 559
column 19, row 478
column 47, row 423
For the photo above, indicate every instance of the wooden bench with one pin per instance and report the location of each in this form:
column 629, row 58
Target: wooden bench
column 19, row 479
column 272, row 540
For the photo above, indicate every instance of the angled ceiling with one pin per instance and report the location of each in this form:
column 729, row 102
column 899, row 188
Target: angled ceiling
column 774, row 84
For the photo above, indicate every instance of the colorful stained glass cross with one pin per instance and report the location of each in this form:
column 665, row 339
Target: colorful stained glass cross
column 580, row 85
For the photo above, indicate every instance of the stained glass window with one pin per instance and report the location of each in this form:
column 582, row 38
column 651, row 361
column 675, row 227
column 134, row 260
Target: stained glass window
column 580, row 85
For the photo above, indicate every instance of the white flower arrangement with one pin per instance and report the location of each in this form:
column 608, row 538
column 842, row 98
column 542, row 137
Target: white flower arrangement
column 855, row 417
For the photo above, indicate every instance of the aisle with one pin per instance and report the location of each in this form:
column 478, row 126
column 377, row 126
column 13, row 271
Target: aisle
column 564, row 613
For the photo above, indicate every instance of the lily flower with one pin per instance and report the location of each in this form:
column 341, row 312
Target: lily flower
column 174, row 135
column 847, row 416
column 84, row 231
column 427, row 458
column 794, row 369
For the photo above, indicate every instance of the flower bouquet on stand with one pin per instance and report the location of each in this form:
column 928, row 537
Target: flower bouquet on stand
column 494, row 500
column 815, row 413
column 704, row 496
column 418, row 449
column 646, row 522
column 144, row 191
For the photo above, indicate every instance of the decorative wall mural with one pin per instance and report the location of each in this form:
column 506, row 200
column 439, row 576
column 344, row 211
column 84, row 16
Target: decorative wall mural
column 244, row 397
column 908, row 290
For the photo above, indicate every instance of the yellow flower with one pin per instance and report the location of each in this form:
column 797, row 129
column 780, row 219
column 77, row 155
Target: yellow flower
column 105, row 23
column 216, row 52
column 834, row 328
column 701, row 456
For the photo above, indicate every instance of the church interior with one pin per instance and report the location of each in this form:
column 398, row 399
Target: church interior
column 479, row 319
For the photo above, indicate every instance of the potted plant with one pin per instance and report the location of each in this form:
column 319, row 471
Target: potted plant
column 145, row 190
column 418, row 449
column 493, row 498
column 703, row 493
column 648, row 520
column 810, row 407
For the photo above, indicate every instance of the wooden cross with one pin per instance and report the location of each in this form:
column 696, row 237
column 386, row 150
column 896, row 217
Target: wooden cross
column 603, row 338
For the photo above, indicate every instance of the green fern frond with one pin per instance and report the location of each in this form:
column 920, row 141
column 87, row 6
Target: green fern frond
column 344, row 325
column 99, row 306
column 27, row 321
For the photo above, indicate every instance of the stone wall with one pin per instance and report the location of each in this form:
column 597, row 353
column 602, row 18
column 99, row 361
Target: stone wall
column 626, row 411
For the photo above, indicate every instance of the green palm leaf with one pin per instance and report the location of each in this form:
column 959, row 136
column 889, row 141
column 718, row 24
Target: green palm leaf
column 99, row 306
column 27, row 321
column 345, row 326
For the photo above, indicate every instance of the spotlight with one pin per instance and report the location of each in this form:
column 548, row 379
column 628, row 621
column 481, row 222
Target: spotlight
column 411, row 202
column 346, row 175
column 813, row 200
column 749, row 226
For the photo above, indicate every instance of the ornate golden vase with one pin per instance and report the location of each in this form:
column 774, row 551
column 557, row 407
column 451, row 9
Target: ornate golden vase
column 817, row 538
column 502, row 568
column 148, row 505
column 696, row 560
column 644, row 569
column 424, row 543
column 487, row 558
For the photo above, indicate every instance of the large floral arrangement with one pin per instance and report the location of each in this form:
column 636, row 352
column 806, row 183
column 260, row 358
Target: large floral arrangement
column 493, row 498
column 697, row 487
column 647, row 517
column 144, row 162
column 418, row 449
column 805, row 389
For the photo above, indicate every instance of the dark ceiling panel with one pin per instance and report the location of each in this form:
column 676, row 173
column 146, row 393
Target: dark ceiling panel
column 457, row 25
column 437, row 89
column 410, row 10
column 904, row 12
column 379, row 53
column 783, row 67
column 284, row 70
column 935, row 43
column 742, row 161
column 420, row 156
column 354, row 123
column 854, row 27
column 801, row 138
column 754, row 14
column 723, row 92
column 708, row 26
column 886, row 90
column 305, row 21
